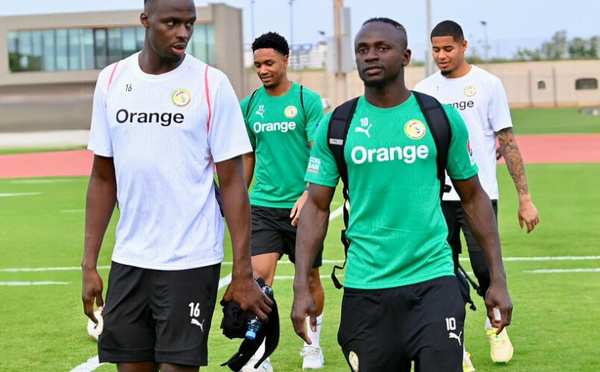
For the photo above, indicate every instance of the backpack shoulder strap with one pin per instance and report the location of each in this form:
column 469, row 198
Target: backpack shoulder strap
column 249, row 102
column 336, row 139
column 438, row 123
column 302, row 96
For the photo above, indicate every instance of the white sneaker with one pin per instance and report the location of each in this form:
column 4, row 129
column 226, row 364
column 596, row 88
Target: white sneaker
column 467, row 365
column 313, row 357
column 266, row 366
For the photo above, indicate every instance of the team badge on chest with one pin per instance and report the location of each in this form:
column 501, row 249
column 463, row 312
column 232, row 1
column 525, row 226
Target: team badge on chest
column 290, row 112
column 470, row 91
column 415, row 129
column 181, row 97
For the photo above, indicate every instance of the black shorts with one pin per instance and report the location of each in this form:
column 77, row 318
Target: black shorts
column 158, row 316
column 272, row 232
column 456, row 222
column 384, row 330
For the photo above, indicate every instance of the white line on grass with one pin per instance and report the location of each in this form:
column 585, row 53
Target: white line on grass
column 90, row 365
column 19, row 194
column 72, row 211
column 13, row 284
column 36, row 269
column 561, row 271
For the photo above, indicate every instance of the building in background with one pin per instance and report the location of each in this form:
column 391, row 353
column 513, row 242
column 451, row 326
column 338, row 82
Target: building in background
column 49, row 63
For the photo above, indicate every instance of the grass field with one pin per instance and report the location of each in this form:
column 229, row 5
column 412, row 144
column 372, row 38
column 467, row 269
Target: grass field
column 555, row 320
column 553, row 121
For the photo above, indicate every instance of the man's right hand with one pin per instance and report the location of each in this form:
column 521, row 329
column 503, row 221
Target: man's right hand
column 247, row 294
column 303, row 307
column 91, row 292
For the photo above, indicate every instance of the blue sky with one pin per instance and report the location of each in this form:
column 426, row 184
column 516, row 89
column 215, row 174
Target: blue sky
column 510, row 23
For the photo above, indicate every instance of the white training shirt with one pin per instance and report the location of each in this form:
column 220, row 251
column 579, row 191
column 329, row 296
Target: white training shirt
column 481, row 100
column 156, row 127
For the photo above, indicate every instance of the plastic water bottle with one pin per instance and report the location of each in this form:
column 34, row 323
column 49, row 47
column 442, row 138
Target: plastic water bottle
column 254, row 322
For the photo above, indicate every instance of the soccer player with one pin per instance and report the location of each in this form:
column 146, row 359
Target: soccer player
column 481, row 101
column 281, row 117
column 161, row 122
column 401, row 301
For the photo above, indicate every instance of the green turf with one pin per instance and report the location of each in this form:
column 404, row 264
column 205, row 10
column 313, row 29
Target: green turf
column 34, row 150
column 43, row 328
column 553, row 121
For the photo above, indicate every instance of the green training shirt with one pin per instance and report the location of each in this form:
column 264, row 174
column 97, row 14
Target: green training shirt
column 280, row 131
column 397, row 230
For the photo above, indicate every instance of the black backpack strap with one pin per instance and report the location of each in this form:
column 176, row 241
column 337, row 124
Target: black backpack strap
column 249, row 102
column 438, row 123
column 336, row 138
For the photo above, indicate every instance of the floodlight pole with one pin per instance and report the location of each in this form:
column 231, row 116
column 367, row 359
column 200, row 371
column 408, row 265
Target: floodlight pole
column 252, row 18
column 291, row 22
column 428, row 57
column 340, row 76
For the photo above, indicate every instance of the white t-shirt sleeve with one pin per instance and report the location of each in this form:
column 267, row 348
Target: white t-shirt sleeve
column 498, row 112
column 100, row 141
column 227, row 136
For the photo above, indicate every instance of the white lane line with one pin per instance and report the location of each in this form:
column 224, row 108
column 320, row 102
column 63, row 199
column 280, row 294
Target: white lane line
column 288, row 262
column 72, row 211
column 562, row 271
column 14, row 284
column 37, row 269
column 8, row 195
column 88, row 366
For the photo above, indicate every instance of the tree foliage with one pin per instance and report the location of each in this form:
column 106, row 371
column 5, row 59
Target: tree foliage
column 560, row 47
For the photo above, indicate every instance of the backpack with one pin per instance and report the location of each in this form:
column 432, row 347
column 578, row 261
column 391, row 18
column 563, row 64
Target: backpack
column 439, row 125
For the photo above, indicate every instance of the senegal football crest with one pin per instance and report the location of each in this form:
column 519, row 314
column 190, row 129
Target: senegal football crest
column 181, row 97
column 415, row 129
column 353, row 360
column 290, row 112
column 470, row 91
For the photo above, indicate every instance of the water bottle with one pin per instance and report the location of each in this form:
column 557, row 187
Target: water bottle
column 254, row 322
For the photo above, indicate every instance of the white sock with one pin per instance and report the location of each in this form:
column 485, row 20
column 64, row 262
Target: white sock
column 314, row 336
column 488, row 324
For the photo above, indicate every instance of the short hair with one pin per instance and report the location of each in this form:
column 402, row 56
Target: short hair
column 389, row 21
column 271, row 40
column 147, row 3
column 448, row 28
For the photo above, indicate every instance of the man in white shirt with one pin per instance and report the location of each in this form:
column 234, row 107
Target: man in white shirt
column 481, row 100
column 162, row 121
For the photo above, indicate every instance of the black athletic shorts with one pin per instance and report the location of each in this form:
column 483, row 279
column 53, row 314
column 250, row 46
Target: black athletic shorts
column 272, row 232
column 384, row 330
column 456, row 222
column 158, row 316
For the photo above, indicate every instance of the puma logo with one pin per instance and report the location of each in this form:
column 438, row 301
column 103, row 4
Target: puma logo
column 196, row 322
column 457, row 337
column 364, row 130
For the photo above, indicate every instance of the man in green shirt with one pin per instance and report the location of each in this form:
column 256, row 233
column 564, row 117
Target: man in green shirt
column 281, row 118
column 401, row 300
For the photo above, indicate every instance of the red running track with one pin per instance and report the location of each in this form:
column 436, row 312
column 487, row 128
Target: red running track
column 535, row 150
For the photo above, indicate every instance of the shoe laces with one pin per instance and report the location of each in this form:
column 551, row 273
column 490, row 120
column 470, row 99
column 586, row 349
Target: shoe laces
column 497, row 339
column 309, row 351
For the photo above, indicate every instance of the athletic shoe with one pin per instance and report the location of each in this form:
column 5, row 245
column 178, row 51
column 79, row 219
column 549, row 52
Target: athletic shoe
column 501, row 347
column 313, row 357
column 266, row 366
column 467, row 365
